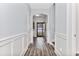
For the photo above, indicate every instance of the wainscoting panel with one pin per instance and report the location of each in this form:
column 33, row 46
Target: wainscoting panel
column 15, row 45
column 5, row 50
column 60, row 45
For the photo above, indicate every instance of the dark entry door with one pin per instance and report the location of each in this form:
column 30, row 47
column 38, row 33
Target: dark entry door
column 41, row 29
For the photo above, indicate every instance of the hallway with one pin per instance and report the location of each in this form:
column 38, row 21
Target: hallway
column 40, row 48
column 39, row 29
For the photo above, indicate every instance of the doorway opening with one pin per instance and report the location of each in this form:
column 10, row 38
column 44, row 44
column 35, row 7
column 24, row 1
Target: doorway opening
column 41, row 29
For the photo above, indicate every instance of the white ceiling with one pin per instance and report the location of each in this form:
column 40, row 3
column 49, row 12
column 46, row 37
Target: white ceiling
column 40, row 5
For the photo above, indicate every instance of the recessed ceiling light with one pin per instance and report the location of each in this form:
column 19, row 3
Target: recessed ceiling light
column 37, row 15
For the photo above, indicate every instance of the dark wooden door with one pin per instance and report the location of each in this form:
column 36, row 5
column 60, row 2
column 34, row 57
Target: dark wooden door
column 41, row 29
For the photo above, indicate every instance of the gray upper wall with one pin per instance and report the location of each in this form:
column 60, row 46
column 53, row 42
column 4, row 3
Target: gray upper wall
column 60, row 18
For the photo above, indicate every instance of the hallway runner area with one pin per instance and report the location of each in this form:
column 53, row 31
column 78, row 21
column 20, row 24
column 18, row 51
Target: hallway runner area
column 47, row 50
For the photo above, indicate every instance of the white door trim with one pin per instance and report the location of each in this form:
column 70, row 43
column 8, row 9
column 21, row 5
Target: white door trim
column 71, row 29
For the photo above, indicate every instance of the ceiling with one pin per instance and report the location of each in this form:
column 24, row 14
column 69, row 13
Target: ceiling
column 40, row 5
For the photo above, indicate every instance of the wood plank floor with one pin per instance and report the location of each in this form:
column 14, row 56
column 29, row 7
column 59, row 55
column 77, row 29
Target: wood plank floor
column 40, row 48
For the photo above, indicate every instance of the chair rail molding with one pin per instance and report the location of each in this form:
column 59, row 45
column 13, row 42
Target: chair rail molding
column 15, row 44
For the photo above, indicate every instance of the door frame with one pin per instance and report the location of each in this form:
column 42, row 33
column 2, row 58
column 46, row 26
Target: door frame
column 71, row 29
column 42, row 29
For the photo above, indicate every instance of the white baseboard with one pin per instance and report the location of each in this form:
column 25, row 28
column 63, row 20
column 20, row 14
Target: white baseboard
column 77, row 52
column 57, row 52
column 51, row 44
column 24, row 51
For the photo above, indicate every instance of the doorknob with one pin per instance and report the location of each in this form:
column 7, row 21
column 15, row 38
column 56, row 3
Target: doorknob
column 74, row 35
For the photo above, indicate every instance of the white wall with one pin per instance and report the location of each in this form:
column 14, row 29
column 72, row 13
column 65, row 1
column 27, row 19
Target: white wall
column 77, row 41
column 13, row 28
column 40, row 5
column 51, row 23
column 60, row 28
column 39, row 11
column 11, row 22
